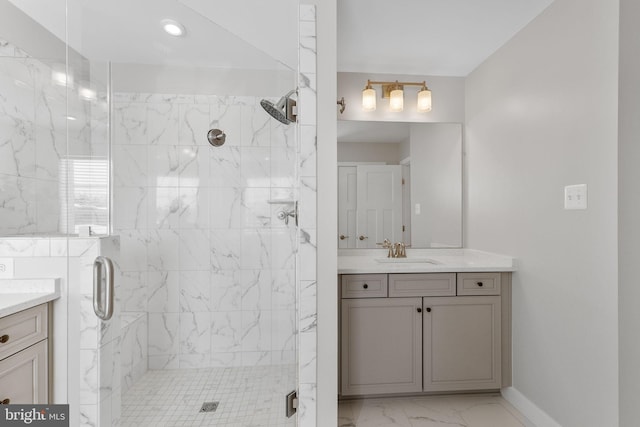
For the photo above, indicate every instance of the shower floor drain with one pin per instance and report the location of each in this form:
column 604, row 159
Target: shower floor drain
column 209, row 406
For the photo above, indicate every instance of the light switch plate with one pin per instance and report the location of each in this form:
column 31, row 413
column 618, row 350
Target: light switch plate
column 575, row 196
column 6, row 268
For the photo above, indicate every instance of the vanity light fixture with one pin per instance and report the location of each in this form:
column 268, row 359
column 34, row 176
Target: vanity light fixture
column 395, row 92
column 173, row 28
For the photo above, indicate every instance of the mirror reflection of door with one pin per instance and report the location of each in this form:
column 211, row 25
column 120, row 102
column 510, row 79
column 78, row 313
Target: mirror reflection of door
column 370, row 200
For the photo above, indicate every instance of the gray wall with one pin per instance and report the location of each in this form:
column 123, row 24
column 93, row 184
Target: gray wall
column 436, row 182
column 541, row 113
column 629, row 211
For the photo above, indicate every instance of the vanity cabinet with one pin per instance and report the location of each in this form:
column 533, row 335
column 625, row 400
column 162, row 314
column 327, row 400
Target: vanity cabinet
column 381, row 345
column 24, row 357
column 433, row 332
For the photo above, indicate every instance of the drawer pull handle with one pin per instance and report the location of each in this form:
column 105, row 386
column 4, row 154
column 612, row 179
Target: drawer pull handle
column 428, row 309
column 5, row 402
column 479, row 284
column 4, row 339
column 419, row 310
column 365, row 286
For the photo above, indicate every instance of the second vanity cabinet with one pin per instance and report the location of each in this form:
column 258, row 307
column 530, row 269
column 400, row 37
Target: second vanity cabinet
column 426, row 332
column 24, row 357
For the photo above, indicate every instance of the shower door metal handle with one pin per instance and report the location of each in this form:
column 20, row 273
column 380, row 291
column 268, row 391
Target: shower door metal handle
column 103, row 289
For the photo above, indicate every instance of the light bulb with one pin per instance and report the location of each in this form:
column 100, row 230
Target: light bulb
column 396, row 101
column 424, row 100
column 369, row 99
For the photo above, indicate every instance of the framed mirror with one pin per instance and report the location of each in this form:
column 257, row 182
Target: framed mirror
column 401, row 182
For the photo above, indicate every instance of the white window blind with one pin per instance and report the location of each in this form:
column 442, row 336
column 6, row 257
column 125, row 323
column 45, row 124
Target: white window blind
column 84, row 194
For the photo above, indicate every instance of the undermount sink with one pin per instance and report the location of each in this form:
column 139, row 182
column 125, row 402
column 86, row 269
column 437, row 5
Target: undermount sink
column 409, row 259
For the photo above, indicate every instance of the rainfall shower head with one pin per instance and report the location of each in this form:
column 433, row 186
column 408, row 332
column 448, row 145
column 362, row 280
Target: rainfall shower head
column 284, row 111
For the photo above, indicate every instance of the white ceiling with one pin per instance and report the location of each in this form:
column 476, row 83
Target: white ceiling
column 129, row 31
column 427, row 37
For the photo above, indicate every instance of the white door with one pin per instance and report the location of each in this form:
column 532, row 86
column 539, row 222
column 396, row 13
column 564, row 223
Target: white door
column 379, row 202
column 347, row 207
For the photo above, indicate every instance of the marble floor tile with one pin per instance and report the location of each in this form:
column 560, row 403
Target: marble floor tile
column 476, row 410
column 248, row 396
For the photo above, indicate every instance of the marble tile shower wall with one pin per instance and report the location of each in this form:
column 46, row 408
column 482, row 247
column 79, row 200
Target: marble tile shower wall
column 307, row 259
column 29, row 143
column 203, row 252
column 33, row 139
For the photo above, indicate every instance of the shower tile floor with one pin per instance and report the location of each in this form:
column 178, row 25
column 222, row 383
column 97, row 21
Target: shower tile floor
column 479, row 410
column 248, row 396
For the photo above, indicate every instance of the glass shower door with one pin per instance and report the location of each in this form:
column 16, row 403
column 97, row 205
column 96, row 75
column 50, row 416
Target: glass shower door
column 206, row 305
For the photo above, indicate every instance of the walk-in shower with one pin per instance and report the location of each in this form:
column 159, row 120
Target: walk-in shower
column 114, row 135
column 285, row 110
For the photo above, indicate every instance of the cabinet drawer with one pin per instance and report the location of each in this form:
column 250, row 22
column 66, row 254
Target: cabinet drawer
column 23, row 329
column 23, row 376
column 478, row 283
column 422, row 285
column 364, row 286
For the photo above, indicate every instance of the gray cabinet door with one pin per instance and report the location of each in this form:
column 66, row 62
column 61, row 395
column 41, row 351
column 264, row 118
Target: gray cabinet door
column 381, row 346
column 23, row 376
column 462, row 339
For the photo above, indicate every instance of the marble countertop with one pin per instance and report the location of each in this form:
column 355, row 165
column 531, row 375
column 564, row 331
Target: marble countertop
column 20, row 294
column 362, row 261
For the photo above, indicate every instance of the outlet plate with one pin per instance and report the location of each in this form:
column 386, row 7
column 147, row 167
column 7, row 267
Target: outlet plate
column 575, row 197
column 6, row 268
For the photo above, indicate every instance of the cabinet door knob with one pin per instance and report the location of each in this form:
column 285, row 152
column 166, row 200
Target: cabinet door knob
column 428, row 309
column 365, row 286
column 5, row 402
column 342, row 237
column 4, row 339
column 479, row 284
column 419, row 310
column 362, row 237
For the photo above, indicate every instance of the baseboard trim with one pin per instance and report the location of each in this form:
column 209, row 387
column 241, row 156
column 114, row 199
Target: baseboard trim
column 535, row 415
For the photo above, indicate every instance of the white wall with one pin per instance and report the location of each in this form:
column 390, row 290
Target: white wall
column 369, row 152
column 541, row 113
column 629, row 212
column 436, row 175
column 447, row 94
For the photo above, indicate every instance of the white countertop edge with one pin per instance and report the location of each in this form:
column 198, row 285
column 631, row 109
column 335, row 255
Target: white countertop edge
column 447, row 261
column 12, row 301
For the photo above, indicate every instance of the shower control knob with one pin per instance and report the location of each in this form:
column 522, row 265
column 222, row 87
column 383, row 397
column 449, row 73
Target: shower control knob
column 216, row 137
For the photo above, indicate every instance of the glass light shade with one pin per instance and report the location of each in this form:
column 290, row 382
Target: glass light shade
column 424, row 101
column 396, row 100
column 369, row 99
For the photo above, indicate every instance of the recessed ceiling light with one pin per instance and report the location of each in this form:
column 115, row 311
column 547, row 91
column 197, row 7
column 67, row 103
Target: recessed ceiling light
column 173, row 28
